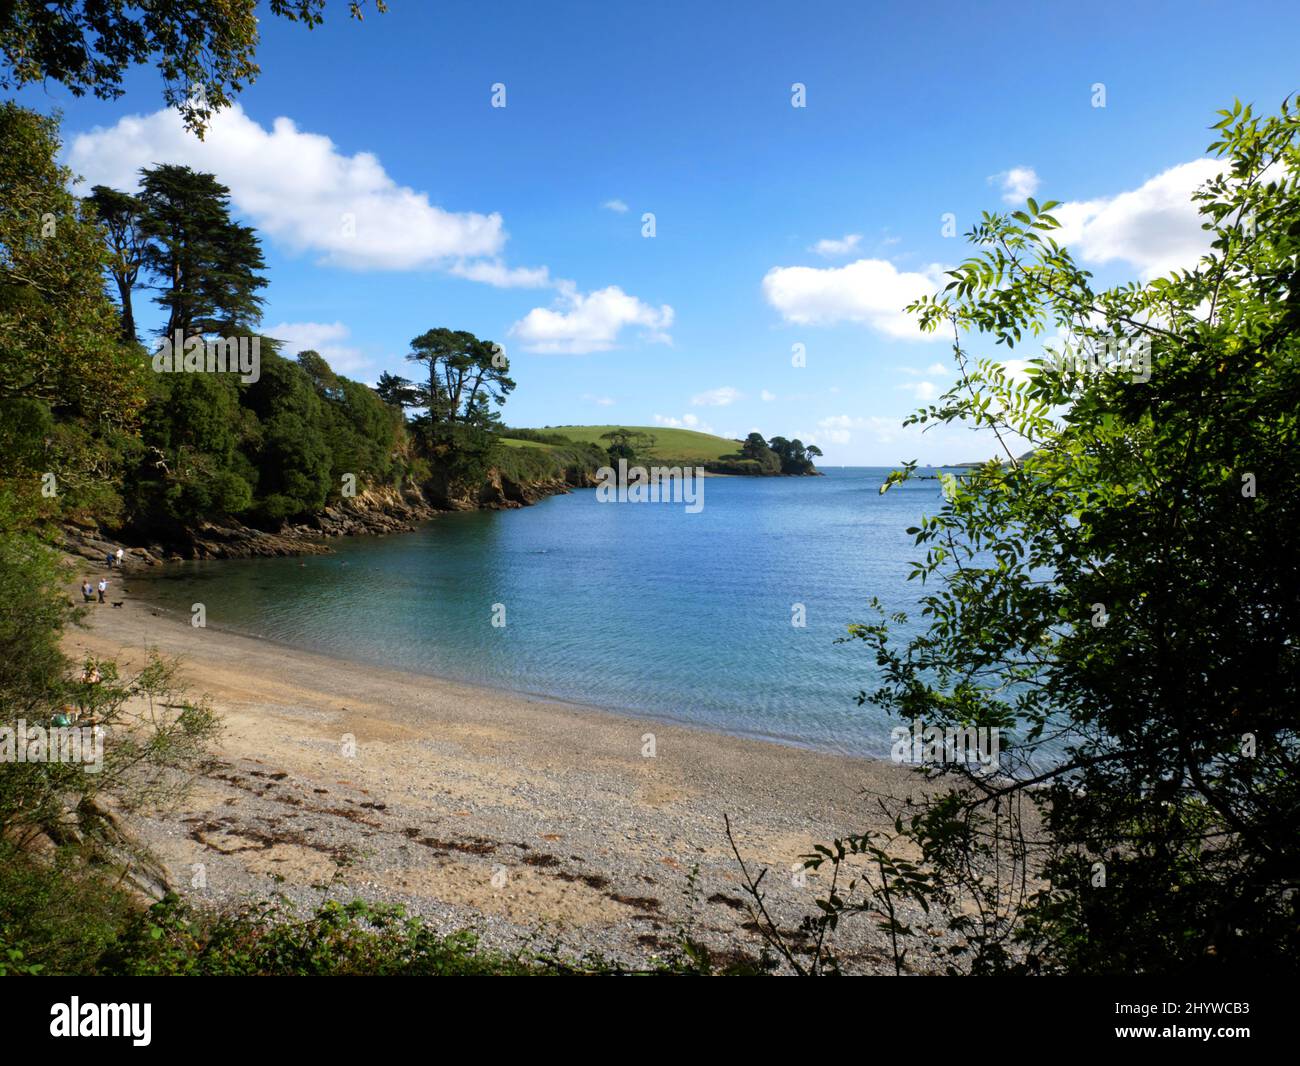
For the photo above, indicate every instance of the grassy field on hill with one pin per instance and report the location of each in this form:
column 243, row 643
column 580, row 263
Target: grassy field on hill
column 686, row 445
column 514, row 442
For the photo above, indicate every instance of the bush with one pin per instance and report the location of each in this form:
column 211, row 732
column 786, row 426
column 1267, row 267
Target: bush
column 59, row 913
column 746, row 467
column 1120, row 604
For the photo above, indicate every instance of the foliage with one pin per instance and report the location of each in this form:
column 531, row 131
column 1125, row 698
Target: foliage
column 739, row 467
column 206, row 262
column 458, row 427
column 795, row 456
column 63, row 916
column 159, row 454
column 152, row 732
column 89, row 45
column 122, row 216
column 628, row 443
column 68, row 388
column 138, row 738
column 269, row 451
column 58, row 914
column 33, row 611
column 466, row 377
column 760, row 457
column 1122, row 603
column 544, row 437
column 531, row 463
column 266, row 938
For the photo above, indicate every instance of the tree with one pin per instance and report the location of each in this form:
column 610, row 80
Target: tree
column 195, row 434
column 316, row 368
column 627, row 443
column 66, row 383
column 465, row 377
column 121, row 215
column 795, row 457
column 144, row 756
column 213, row 448
column 397, row 391
column 754, row 446
column 360, row 429
column 1122, row 604
column 205, row 263
column 768, row 457
column 204, row 51
column 292, row 458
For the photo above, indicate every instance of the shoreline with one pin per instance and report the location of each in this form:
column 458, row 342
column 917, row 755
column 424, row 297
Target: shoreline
column 484, row 808
column 645, row 717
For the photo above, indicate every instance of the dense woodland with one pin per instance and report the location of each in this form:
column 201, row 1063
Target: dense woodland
column 156, row 453
column 770, row 457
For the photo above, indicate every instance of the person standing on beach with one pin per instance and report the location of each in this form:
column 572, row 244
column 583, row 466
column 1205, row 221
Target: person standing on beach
column 87, row 590
column 103, row 587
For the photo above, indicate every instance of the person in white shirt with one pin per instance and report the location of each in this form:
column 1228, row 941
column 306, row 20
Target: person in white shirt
column 103, row 587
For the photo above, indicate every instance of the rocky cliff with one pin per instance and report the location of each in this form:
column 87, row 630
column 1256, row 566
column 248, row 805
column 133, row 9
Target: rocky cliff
column 374, row 512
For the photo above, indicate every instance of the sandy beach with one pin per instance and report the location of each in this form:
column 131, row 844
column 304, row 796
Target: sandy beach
column 523, row 819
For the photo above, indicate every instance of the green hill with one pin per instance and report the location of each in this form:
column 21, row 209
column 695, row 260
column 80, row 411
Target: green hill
column 515, row 442
column 683, row 445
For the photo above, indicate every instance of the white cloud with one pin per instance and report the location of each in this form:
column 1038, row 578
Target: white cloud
column 325, row 338
column 1155, row 228
column 615, row 205
column 590, row 322
column 933, row 370
column 298, row 188
column 839, row 429
column 599, row 401
column 687, row 421
column 767, row 397
column 496, row 273
column 922, row 390
column 719, row 397
column 1018, row 184
column 830, row 247
column 871, row 291
column 836, row 429
column 1016, row 369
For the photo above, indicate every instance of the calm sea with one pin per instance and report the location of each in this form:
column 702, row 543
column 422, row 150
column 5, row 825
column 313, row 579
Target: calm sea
column 643, row 608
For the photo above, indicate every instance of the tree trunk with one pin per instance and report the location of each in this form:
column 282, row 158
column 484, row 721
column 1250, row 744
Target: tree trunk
column 128, row 316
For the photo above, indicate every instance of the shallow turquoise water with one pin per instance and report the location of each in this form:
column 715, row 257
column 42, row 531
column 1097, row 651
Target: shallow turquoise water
column 636, row 607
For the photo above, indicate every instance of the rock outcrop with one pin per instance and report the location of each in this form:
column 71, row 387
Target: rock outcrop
column 373, row 512
column 499, row 492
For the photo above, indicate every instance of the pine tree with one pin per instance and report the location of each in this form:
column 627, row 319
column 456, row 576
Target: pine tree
column 205, row 263
column 122, row 217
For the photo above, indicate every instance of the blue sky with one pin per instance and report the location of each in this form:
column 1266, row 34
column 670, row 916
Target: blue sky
column 497, row 220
